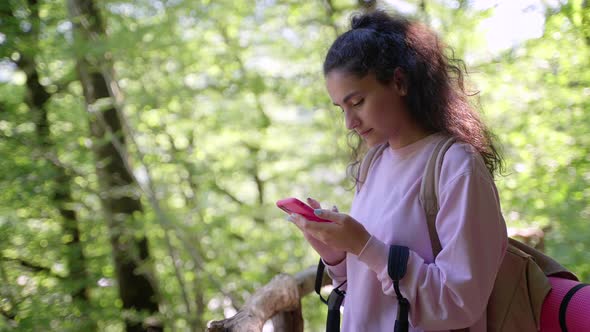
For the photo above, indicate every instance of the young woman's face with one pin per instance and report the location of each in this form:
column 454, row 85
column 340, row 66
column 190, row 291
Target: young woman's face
column 375, row 111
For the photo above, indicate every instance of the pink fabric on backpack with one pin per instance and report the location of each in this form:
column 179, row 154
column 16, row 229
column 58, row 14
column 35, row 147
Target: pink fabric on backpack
column 577, row 316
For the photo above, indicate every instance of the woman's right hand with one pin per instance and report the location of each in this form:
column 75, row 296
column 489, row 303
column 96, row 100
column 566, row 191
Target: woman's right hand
column 328, row 254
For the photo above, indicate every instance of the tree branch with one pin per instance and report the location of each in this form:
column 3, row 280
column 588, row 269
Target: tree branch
column 8, row 315
column 224, row 191
column 32, row 266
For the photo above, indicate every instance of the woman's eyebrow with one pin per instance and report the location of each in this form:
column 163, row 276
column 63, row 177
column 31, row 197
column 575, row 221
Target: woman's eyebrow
column 348, row 96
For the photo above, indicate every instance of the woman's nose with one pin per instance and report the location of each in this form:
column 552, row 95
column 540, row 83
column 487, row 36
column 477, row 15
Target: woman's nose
column 352, row 121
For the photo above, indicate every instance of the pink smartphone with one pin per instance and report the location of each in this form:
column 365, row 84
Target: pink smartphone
column 293, row 205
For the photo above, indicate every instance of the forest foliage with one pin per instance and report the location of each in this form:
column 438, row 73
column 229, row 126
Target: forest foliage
column 223, row 111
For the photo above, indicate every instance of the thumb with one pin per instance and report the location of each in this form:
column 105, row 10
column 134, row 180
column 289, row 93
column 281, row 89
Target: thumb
column 329, row 215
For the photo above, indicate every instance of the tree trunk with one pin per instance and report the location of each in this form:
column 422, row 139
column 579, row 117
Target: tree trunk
column 119, row 191
column 36, row 98
column 62, row 195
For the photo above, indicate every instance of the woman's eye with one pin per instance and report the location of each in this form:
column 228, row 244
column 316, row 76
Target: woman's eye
column 358, row 103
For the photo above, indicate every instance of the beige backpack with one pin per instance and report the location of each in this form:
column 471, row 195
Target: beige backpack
column 521, row 283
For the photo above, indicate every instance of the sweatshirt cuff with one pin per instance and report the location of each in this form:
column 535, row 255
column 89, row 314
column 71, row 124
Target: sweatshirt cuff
column 336, row 271
column 375, row 254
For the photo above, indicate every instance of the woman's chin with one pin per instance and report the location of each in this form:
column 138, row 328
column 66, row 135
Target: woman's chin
column 371, row 142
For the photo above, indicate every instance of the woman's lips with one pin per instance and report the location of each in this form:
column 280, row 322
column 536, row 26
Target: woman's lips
column 366, row 132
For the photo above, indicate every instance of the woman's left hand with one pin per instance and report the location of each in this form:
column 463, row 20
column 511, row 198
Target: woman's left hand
column 342, row 233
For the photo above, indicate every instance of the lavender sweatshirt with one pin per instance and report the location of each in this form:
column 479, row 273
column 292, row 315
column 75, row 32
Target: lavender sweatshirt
column 450, row 292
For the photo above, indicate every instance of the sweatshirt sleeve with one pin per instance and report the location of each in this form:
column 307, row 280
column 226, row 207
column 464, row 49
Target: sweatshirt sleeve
column 337, row 273
column 453, row 291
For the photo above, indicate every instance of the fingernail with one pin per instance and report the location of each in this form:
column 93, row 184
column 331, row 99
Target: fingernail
column 318, row 212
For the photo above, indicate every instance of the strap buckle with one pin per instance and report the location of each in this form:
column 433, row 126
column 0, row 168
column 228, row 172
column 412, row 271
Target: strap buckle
column 336, row 296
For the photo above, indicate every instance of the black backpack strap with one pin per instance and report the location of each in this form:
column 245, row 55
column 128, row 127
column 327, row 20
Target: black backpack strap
column 396, row 268
column 319, row 276
column 334, row 301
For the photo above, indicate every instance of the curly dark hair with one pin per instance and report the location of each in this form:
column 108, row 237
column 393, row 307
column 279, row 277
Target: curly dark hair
column 378, row 43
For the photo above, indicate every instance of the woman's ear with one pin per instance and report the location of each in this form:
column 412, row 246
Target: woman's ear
column 400, row 83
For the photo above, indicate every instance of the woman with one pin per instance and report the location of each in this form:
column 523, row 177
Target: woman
column 395, row 86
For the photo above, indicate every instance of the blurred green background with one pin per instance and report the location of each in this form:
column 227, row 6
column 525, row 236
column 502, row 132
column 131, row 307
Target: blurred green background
column 224, row 111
